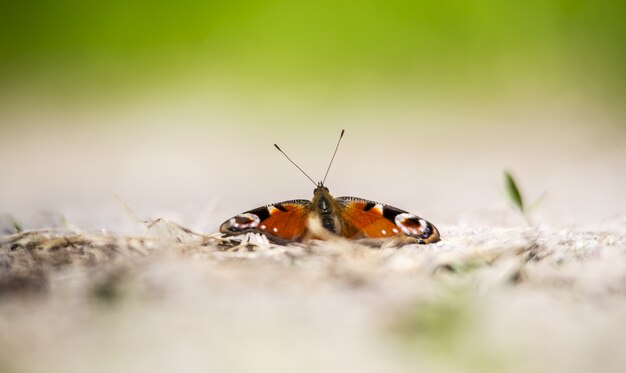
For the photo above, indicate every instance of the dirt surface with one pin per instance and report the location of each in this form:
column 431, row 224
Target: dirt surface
column 481, row 300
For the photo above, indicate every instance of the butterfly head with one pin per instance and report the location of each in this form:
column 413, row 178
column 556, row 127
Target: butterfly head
column 320, row 188
column 322, row 200
column 321, row 191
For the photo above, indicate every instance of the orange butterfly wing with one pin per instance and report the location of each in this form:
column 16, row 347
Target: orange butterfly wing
column 366, row 219
column 281, row 222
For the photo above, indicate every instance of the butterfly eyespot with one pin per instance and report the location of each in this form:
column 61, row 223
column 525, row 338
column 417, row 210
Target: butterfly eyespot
column 243, row 221
column 411, row 225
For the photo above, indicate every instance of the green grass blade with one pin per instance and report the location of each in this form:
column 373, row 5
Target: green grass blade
column 17, row 226
column 513, row 191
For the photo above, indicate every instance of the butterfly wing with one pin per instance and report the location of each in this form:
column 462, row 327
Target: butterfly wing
column 366, row 219
column 281, row 222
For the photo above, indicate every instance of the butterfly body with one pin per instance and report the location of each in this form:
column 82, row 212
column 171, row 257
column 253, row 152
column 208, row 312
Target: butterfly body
column 325, row 217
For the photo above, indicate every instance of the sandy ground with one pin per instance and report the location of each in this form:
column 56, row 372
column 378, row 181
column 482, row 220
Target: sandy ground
column 492, row 300
column 86, row 287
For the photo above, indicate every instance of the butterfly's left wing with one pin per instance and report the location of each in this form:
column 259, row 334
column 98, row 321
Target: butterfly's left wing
column 366, row 219
column 281, row 222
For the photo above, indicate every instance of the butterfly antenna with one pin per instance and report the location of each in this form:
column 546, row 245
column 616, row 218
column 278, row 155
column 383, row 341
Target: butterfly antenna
column 333, row 158
column 294, row 163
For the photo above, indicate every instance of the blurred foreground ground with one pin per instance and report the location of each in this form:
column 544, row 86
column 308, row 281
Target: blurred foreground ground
column 481, row 300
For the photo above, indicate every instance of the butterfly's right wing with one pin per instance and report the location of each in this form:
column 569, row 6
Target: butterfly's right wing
column 282, row 222
column 368, row 219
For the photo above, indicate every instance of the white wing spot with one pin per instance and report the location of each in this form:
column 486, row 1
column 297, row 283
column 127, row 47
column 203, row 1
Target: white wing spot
column 384, row 232
column 395, row 230
column 263, row 226
column 423, row 224
column 275, row 229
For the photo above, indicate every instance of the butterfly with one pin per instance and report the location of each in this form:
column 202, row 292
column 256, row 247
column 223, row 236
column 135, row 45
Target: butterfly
column 325, row 217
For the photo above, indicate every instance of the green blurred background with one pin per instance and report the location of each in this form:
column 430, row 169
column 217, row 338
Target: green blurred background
column 318, row 48
column 172, row 105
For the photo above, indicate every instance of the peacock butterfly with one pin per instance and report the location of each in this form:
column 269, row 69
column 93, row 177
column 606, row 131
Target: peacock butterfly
column 325, row 217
